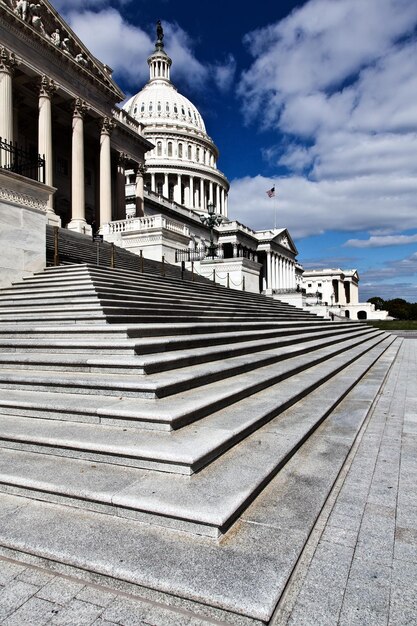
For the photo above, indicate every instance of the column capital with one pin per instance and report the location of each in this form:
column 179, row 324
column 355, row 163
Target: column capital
column 47, row 86
column 122, row 159
column 8, row 60
column 107, row 125
column 139, row 169
column 80, row 107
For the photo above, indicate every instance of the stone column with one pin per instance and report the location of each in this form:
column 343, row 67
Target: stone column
column 153, row 187
column 276, row 281
column 165, row 190
column 219, row 209
column 235, row 250
column 121, row 186
column 202, row 202
column 191, row 203
column 211, row 192
column 47, row 88
column 268, row 271
column 7, row 64
column 139, row 189
column 178, row 189
column 105, row 171
column 225, row 204
column 78, row 222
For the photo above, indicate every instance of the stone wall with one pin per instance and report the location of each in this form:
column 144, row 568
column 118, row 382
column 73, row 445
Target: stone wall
column 22, row 226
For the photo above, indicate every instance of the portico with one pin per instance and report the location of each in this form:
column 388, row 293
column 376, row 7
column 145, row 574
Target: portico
column 58, row 101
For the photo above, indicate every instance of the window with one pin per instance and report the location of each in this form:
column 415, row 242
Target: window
column 167, row 107
column 142, row 107
column 318, row 284
column 135, row 110
column 159, row 189
column 309, row 285
column 189, row 153
column 159, row 107
column 197, row 155
column 159, row 148
column 170, row 148
column 175, row 108
column 180, row 150
column 183, row 111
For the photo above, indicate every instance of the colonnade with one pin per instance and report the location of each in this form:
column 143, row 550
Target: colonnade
column 45, row 148
column 194, row 192
column 280, row 271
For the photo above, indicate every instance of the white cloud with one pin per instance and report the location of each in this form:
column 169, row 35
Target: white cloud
column 388, row 291
column 337, row 80
column 381, row 241
column 224, row 73
column 114, row 41
column 309, row 207
column 125, row 47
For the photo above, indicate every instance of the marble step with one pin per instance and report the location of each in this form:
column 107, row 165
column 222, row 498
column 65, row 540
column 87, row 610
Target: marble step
column 166, row 330
column 208, row 502
column 114, row 278
column 188, row 449
column 217, row 576
column 139, row 341
column 40, row 289
column 142, row 358
column 172, row 411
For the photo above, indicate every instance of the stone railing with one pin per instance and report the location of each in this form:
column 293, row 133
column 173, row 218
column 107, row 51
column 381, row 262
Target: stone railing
column 138, row 224
column 124, row 118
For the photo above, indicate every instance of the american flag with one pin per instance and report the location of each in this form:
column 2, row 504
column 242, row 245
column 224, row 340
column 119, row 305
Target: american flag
column 271, row 192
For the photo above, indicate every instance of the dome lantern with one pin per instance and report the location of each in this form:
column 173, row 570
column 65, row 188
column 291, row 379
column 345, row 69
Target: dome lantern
column 159, row 62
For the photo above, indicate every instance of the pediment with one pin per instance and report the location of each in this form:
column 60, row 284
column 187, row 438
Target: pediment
column 284, row 239
column 48, row 24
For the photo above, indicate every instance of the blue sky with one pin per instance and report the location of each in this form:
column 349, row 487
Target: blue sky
column 317, row 97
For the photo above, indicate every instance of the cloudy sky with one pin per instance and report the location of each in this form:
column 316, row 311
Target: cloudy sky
column 316, row 97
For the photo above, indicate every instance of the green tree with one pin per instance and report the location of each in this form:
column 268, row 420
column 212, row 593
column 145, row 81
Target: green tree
column 378, row 302
column 399, row 308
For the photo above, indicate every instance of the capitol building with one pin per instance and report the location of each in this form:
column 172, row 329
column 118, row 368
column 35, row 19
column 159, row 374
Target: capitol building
column 182, row 166
column 144, row 176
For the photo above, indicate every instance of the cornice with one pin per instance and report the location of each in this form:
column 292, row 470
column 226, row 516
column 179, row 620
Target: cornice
column 42, row 42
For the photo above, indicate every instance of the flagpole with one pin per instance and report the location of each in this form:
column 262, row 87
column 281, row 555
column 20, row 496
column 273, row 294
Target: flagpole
column 275, row 208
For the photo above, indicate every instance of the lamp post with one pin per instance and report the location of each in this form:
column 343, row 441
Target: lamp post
column 211, row 220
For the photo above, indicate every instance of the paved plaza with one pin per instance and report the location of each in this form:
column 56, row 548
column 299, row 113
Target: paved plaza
column 359, row 567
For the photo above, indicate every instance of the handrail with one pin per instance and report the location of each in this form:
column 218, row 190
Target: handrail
column 15, row 159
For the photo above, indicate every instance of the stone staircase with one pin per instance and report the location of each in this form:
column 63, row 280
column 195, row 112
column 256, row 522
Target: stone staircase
column 148, row 427
column 78, row 248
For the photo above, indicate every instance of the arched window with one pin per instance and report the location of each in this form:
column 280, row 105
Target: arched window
column 180, row 150
column 183, row 111
column 142, row 107
column 150, row 107
column 197, row 155
column 159, row 108
column 362, row 315
column 175, row 108
column 135, row 110
column 159, row 148
column 190, row 156
column 167, row 107
column 170, row 148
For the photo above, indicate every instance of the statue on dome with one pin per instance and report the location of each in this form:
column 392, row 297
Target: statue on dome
column 159, row 31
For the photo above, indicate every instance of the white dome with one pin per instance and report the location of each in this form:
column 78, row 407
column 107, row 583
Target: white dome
column 160, row 102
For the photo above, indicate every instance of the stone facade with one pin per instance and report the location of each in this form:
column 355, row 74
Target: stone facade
column 23, row 215
column 59, row 101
